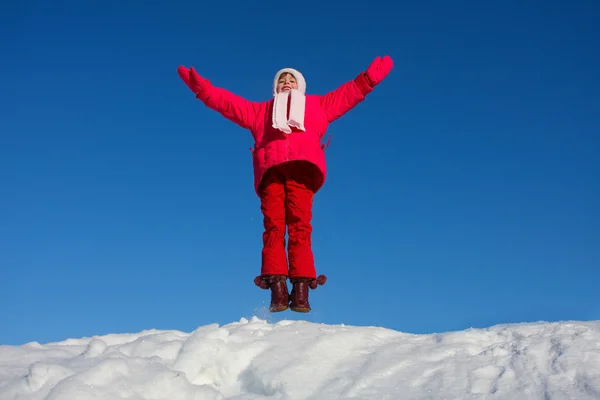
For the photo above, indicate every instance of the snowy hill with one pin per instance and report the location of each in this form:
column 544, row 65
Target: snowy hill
column 253, row 359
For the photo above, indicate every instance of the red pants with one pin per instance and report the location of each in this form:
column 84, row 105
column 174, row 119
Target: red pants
column 286, row 194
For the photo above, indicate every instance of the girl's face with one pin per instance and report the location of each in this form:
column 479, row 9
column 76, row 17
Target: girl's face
column 286, row 82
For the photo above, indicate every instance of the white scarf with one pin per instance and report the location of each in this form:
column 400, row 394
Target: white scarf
column 297, row 106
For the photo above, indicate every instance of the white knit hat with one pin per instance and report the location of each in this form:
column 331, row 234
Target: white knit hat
column 299, row 79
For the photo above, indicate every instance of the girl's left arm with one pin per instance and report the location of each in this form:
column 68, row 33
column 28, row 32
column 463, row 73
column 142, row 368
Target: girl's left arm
column 338, row 102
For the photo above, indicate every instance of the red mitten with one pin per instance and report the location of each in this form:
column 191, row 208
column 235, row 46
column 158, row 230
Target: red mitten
column 191, row 78
column 379, row 69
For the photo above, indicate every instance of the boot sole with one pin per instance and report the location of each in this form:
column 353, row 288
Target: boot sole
column 278, row 308
column 300, row 309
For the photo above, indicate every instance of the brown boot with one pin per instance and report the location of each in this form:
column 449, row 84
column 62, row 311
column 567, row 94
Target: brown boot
column 279, row 291
column 299, row 297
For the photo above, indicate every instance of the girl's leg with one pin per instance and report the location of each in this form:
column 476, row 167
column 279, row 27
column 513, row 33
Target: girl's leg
column 299, row 187
column 272, row 196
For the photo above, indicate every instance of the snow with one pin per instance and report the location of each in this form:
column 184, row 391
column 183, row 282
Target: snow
column 256, row 359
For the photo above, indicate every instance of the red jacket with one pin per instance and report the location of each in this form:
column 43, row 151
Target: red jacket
column 273, row 147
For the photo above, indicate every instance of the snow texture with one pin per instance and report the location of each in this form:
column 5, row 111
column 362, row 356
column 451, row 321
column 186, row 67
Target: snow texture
column 254, row 359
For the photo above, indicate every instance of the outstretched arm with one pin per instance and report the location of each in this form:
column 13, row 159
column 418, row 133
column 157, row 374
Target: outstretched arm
column 231, row 106
column 348, row 95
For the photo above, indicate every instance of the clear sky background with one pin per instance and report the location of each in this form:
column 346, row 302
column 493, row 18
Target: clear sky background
column 464, row 192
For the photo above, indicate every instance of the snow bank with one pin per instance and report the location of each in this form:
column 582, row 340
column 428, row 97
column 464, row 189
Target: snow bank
column 253, row 359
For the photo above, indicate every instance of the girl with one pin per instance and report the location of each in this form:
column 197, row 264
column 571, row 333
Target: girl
column 289, row 166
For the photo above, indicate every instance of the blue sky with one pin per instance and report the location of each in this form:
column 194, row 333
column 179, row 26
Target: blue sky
column 462, row 193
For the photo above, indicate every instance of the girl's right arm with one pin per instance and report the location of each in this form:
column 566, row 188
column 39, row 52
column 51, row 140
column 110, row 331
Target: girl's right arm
column 233, row 107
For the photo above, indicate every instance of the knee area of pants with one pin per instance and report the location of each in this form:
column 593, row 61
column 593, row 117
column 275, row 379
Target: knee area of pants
column 299, row 237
